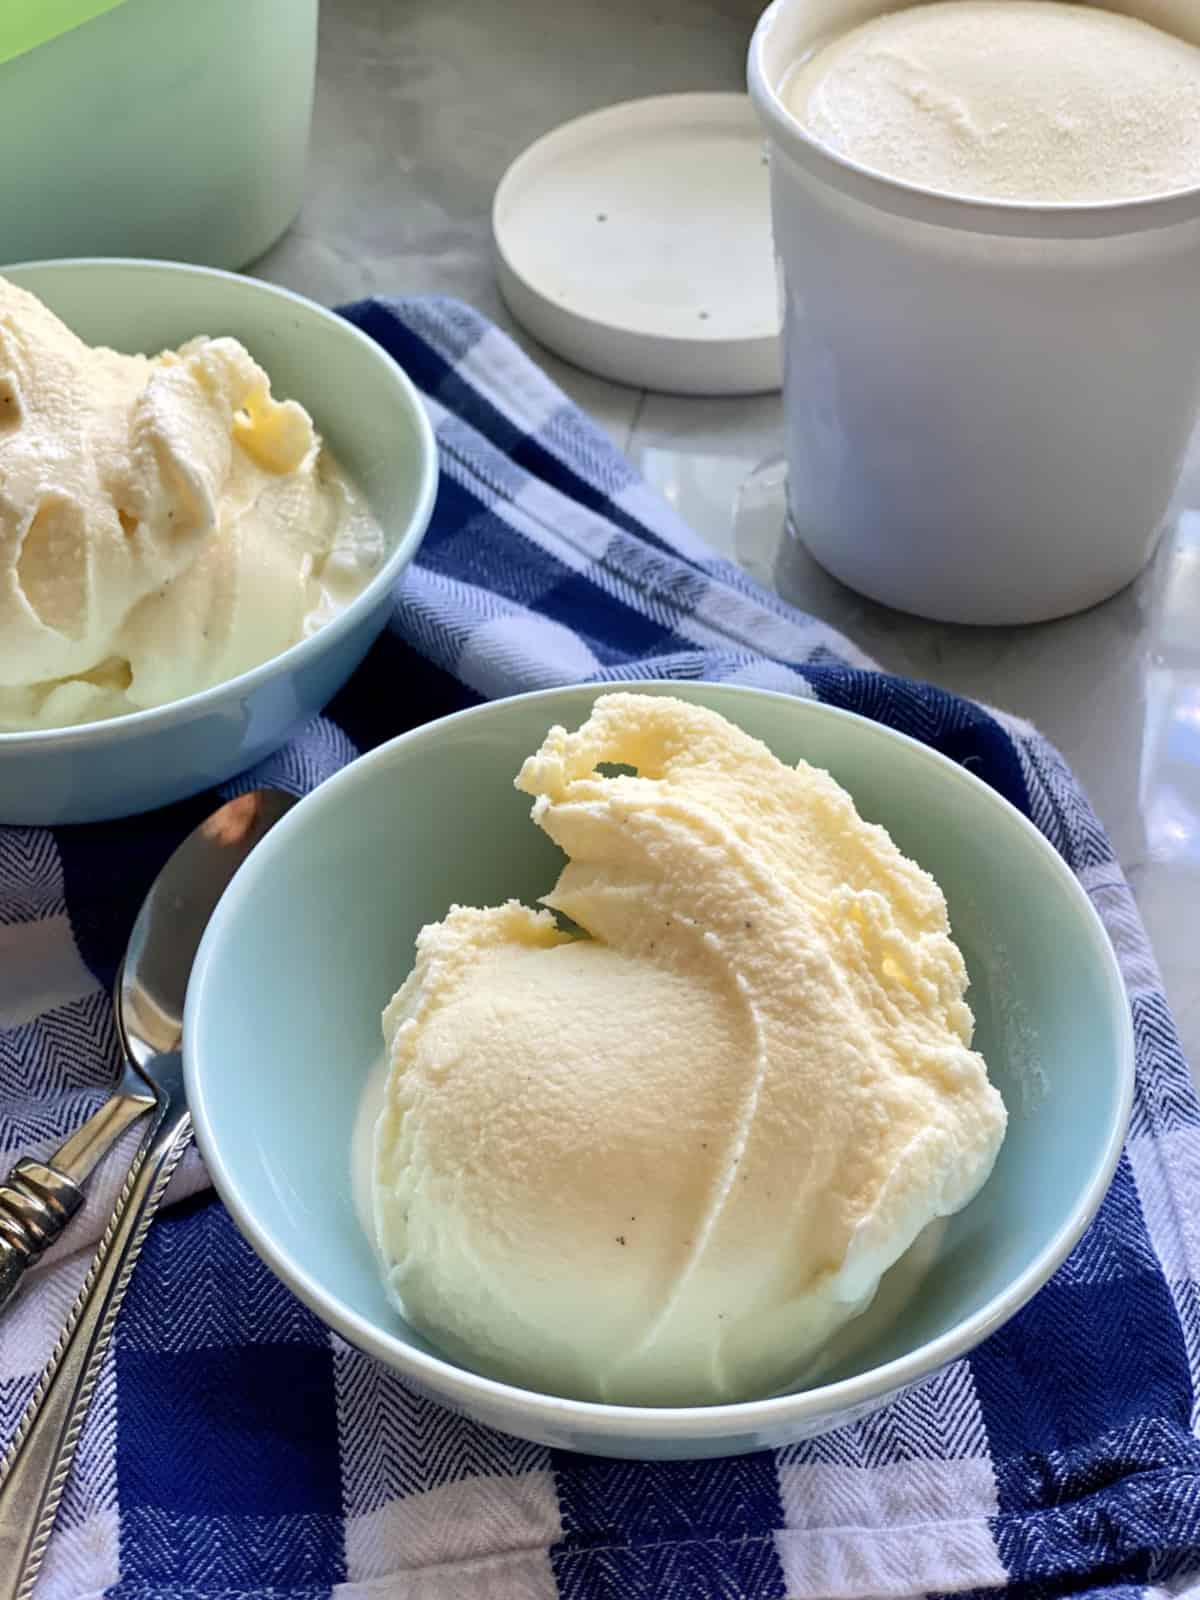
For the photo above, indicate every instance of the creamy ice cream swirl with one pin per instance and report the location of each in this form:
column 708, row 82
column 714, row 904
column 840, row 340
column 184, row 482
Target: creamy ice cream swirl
column 165, row 522
column 664, row 1162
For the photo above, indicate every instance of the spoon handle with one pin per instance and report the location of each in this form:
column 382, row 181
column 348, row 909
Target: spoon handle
column 39, row 1198
column 35, row 1466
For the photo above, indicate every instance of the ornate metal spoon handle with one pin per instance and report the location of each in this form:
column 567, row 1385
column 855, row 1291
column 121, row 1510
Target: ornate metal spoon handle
column 39, row 1198
column 36, row 1203
column 36, row 1464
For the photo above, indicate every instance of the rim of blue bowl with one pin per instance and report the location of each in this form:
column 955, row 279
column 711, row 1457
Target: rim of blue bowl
column 154, row 717
column 462, row 1387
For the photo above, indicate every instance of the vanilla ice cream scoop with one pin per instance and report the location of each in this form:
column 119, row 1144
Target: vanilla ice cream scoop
column 165, row 523
column 1025, row 100
column 662, row 1160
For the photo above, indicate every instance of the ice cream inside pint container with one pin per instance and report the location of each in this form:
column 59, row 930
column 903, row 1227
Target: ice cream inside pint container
column 988, row 403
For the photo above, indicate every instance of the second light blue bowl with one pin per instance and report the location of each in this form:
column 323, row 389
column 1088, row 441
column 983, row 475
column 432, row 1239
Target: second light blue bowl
column 317, row 931
column 376, row 425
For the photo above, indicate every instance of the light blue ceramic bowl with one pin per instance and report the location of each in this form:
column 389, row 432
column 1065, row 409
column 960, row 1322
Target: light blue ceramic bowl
column 374, row 420
column 317, row 931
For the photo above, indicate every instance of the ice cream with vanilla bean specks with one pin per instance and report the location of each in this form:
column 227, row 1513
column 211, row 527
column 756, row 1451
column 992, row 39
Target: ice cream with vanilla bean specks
column 660, row 1152
column 166, row 523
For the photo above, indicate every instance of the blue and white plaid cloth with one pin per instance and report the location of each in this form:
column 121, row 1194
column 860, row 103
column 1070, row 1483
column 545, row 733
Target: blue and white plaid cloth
column 237, row 1450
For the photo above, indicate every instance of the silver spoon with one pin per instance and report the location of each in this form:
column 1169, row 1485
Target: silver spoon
column 149, row 996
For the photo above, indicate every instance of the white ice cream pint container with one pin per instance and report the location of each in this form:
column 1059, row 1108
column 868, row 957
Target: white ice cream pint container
column 988, row 403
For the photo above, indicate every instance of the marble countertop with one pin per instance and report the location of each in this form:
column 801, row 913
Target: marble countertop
column 421, row 106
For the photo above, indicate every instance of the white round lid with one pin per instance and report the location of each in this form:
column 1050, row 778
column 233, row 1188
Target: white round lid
column 636, row 242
